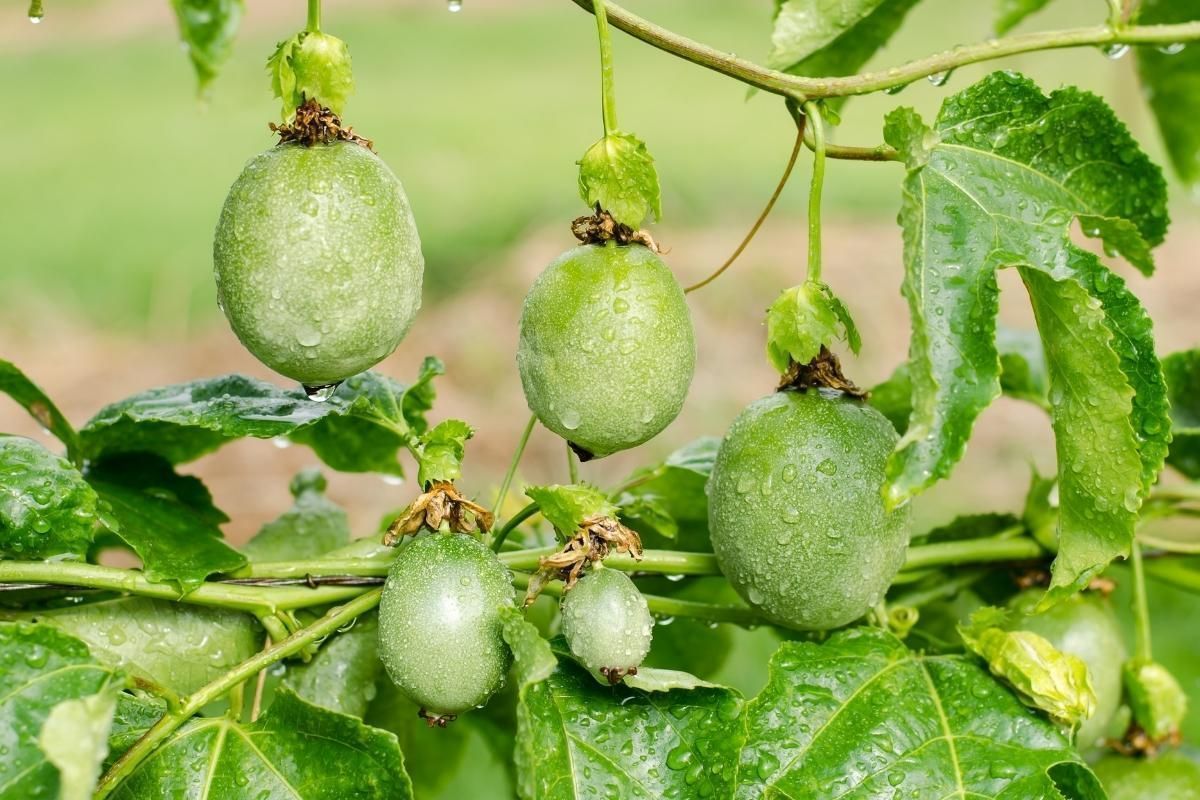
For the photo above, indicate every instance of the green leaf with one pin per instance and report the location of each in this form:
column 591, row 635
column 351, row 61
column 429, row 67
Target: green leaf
column 167, row 645
column 1010, row 13
column 135, row 714
column 311, row 66
column 647, row 515
column 674, row 488
column 565, row 507
column 207, row 29
column 1172, row 85
column 577, row 739
column 75, row 740
column 342, row 676
column 618, row 173
column 1043, row 676
column 832, row 37
column 313, row 526
column 30, row 397
column 1182, row 372
column 689, row 643
column 46, row 507
column 360, row 428
column 296, row 750
column 155, row 475
column 997, row 182
column 861, row 716
column 40, row 668
column 442, row 451
column 804, row 319
column 533, row 659
column 1099, row 466
column 174, row 543
column 969, row 526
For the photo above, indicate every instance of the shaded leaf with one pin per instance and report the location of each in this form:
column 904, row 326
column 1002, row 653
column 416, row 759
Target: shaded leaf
column 674, row 488
column 133, row 717
column 46, row 507
column 566, row 506
column 861, row 716
column 647, row 515
column 1182, row 372
column 17, row 385
column 432, row 757
column 172, row 646
column 618, row 173
column 804, row 319
column 75, row 740
column 207, row 29
column 313, row 526
column 969, row 526
column 295, row 750
column 342, row 676
column 40, row 668
column 1010, row 13
column 1172, row 85
column 689, row 643
column 155, row 475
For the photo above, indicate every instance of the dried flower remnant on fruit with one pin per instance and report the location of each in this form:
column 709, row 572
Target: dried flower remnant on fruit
column 823, row 372
column 600, row 227
column 595, row 539
column 436, row 720
column 442, row 503
column 317, row 124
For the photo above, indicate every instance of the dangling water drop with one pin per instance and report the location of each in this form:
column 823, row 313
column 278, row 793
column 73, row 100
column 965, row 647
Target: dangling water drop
column 1173, row 49
column 1115, row 50
column 36, row 12
column 895, row 89
column 319, row 393
column 939, row 78
column 454, row 6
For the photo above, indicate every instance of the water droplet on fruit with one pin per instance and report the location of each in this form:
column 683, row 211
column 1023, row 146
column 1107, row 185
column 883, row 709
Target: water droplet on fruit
column 308, row 337
column 620, row 305
column 454, row 6
column 789, row 473
column 1115, row 50
column 570, row 419
column 827, row 467
column 321, row 392
column 310, row 206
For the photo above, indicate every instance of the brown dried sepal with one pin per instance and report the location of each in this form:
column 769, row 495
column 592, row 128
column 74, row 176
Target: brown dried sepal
column 615, row 675
column 317, row 124
column 442, row 503
column 823, row 372
column 595, row 539
column 436, row 720
column 1137, row 742
column 600, row 227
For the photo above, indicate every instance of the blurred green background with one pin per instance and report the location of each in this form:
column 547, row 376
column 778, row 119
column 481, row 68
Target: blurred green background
column 115, row 172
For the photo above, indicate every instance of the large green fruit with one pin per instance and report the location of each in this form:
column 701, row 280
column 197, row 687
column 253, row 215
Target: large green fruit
column 607, row 349
column 606, row 622
column 795, row 511
column 439, row 623
column 1171, row 776
column 317, row 260
column 1087, row 628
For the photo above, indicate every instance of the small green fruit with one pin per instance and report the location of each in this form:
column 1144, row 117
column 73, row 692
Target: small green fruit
column 607, row 622
column 1171, row 776
column 317, row 261
column 796, row 516
column 439, row 623
column 607, row 349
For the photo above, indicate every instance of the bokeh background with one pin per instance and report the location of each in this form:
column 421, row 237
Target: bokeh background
column 113, row 173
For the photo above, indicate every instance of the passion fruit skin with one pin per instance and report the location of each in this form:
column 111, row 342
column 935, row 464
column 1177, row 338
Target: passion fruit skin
column 606, row 621
column 607, row 350
column 796, row 513
column 1171, row 776
column 1085, row 627
column 439, row 623
column 317, row 260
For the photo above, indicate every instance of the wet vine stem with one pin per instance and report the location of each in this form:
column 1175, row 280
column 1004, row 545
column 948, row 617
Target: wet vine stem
column 804, row 88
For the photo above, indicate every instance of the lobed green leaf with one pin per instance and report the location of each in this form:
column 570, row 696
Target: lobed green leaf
column 617, row 173
column 46, row 507
column 566, row 506
column 804, row 319
column 442, row 450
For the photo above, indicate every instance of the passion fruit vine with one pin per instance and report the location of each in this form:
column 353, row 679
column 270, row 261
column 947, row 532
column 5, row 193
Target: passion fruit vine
column 607, row 350
column 439, row 624
column 796, row 515
column 317, row 260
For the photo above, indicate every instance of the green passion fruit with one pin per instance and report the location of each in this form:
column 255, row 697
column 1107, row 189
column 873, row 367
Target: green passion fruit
column 439, row 623
column 317, row 260
column 606, row 350
column 796, row 514
column 607, row 623
column 1171, row 776
column 1085, row 627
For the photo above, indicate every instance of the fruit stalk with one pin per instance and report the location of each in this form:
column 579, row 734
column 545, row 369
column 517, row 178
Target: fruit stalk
column 1141, row 606
column 816, row 124
column 170, row 722
column 314, row 16
column 607, row 90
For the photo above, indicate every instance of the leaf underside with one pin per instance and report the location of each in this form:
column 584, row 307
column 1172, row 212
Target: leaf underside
column 1171, row 77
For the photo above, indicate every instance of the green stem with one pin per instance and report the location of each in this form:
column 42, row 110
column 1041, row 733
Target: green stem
column 671, row 606
column 513, row 463
column 1141, row 607
column 334, row 619
column 314, row 16
column 811, row 88
column 321, row 567
column 511, row 525
column 572, row 465
column 607, row 91
column 973, row 551
column 816, row 124
column 670, row 562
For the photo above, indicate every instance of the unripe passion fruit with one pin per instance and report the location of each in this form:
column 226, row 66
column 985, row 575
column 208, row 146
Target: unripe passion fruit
column 607, row 349
column 795, row 511
column 1084, row 627
column 1171, row 776
column 317, row 260
column 439, row 623
column 607, row 622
